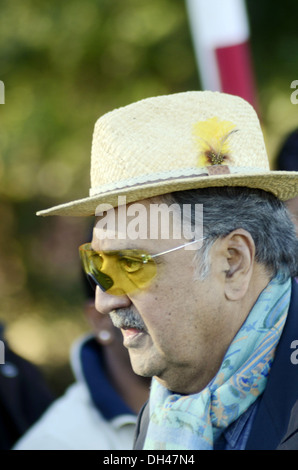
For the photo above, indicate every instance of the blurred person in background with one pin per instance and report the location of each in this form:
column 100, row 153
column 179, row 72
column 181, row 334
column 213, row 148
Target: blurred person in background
column 24, row 395
column 98, row 411
column 287, row 160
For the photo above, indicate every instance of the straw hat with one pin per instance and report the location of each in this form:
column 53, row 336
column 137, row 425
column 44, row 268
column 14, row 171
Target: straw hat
column 177, row 142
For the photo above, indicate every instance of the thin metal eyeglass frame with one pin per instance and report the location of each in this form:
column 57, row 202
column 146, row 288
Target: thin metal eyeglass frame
column 148, row 257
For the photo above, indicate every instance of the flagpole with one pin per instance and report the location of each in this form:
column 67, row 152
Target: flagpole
column 220, row 33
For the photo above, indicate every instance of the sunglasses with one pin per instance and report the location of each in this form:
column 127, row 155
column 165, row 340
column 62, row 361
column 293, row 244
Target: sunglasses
column 121, row 272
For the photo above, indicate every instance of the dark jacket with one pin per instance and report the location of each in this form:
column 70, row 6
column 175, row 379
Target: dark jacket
column 273, row 416
column 24, row 396
column 275, row 425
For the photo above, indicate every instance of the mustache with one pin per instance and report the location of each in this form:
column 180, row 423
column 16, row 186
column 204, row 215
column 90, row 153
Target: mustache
column 127, row 318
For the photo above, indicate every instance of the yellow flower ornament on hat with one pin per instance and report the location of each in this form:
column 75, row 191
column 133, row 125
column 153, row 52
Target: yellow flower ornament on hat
column 212, row 137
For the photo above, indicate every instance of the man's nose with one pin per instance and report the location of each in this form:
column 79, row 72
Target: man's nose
column 105, row 303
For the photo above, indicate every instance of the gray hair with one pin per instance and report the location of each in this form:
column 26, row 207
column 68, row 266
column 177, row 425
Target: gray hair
column 258, row 212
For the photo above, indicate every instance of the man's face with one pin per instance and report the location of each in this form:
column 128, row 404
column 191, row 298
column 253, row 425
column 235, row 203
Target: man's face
column 176, row 328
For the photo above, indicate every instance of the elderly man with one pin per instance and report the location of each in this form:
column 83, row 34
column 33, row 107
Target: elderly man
column 207, row 301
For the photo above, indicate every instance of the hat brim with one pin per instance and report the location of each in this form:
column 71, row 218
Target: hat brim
column 283, row 184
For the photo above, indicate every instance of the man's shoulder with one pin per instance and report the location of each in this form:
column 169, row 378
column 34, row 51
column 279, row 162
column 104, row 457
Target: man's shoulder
column 274, row 412
column 290, row 440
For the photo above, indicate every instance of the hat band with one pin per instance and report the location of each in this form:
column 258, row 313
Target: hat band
column 172, row 175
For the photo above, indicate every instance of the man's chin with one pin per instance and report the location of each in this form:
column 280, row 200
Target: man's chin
column 143, row 363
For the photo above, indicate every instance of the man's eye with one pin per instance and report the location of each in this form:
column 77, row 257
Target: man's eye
column 96, row 260
column 131, row 265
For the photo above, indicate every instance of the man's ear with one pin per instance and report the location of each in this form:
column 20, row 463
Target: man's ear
column 238, row 248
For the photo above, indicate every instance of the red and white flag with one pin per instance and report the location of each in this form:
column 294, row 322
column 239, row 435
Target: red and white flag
column 220, row 32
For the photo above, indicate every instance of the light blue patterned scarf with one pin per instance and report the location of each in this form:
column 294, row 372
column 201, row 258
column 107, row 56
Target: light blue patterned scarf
column 192, row 422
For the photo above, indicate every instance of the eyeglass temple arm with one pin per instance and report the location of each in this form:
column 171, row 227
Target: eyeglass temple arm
column 177, row 247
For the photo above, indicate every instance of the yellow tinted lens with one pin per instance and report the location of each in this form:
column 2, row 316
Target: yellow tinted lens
column 130, row 265
column 118, row 272
column 139, row 268
column 92, row 263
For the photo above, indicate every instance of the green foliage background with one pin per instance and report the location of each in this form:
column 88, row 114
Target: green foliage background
column 63, row 65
